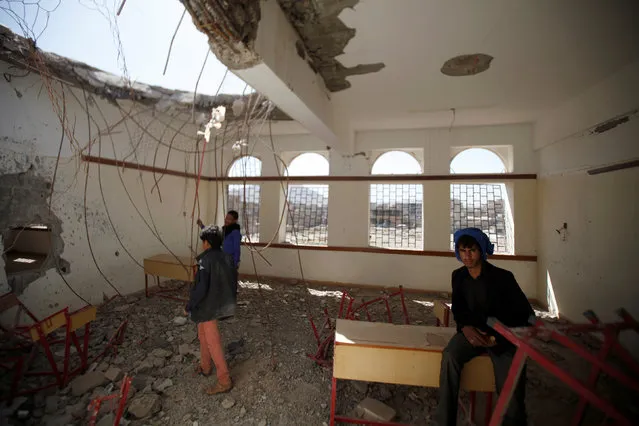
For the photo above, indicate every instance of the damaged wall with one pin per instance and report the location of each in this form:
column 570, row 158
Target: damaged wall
column 30, row 132
column 590, row 265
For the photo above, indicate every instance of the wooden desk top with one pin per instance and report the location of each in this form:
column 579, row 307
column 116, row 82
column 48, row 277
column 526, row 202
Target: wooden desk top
column 169, row 258
column 384, row 335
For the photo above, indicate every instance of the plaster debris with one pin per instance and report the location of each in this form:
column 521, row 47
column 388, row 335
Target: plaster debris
column 145, row 405
column 371, row 409
column 296, row 391
column 87, row 382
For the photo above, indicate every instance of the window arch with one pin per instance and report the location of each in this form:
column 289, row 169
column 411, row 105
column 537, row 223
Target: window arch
column 396, row 163
column 307, row 219
column 246, row 166
column 245, row 198
column 477, row 160
column 396, row 219
column 481, row 205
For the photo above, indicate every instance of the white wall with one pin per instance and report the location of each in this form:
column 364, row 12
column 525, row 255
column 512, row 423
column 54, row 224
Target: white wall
column 594, row 267
column 349, row 203
column 30, row 133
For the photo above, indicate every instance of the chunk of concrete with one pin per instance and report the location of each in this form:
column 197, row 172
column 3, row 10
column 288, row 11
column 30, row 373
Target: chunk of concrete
column 161, row 353
column 51, row 404
column 372, row 409
column 113, row 374
column 87, row 382
column 145, row 405
column 106, row 420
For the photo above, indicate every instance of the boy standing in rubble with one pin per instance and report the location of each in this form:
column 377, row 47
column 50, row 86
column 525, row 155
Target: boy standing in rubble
column 213, row 298
column 232, row 236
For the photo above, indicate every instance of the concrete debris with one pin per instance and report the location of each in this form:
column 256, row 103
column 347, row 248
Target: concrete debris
column 106, row 420
column 228, row 403
column 179, row 320
column 87, row 382
column 371, row 409
column 361, row 387
column 51, row 404
column 113, row 374
column 161, row 353
column 162, row 385
column 294, row 393
column 145, row 405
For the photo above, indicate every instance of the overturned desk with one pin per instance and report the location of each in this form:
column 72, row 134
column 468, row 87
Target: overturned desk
column 398, row 354
column 166, row 265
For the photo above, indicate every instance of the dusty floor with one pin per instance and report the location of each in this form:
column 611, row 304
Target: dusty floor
column 275, row 382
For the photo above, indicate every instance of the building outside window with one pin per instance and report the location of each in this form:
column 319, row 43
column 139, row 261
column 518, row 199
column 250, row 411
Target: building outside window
column 245, row 198
column 481, row 205
column 307, row 215
column 396, row 218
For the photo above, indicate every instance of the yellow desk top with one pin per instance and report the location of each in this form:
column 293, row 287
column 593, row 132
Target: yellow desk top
column 169, row 258
column 379, row 334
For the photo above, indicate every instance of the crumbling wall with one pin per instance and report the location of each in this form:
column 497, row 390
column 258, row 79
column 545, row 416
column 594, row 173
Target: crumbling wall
column 23, row 201
column 105, row 220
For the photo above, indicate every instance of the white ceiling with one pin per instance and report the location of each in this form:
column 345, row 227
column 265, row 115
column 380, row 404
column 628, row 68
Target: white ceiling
column 545, row 52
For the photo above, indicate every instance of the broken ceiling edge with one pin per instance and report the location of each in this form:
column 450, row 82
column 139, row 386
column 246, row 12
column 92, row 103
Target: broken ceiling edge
column 22, row 53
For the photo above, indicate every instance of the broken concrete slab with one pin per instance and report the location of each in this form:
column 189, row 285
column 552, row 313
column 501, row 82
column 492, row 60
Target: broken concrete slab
column 106, row 420
column 372, row 409
column 161, row 353
column 145, row 405
column 162, row 385
column 87, row 382
column 228, row 403
column 361, row 387
column 51, row 404
column 113, row 374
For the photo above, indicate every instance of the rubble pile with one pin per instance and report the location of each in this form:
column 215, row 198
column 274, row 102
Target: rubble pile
column 275, row 383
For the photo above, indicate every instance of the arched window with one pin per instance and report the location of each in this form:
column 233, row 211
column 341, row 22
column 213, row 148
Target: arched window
column 396, row 219
column 481, row 205
column 245, row 199
column 307, row 220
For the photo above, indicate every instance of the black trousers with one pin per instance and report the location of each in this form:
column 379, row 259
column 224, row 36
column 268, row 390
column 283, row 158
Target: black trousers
column 458, row 352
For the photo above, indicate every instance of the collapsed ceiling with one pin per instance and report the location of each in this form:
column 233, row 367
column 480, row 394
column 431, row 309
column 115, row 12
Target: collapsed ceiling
column 232, row 29
column 22, row 54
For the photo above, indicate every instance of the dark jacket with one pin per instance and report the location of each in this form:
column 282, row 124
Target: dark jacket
column 505, row 301
column 214, row 294
column 232, row 242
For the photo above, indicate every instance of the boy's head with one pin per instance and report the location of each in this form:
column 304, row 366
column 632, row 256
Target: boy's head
column 468, row 250
column 231, row 218
column 472, row 246
column 211, row 237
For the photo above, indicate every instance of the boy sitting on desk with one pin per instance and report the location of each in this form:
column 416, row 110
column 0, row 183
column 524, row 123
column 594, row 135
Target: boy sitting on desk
column 213, row 298
column 481, row 290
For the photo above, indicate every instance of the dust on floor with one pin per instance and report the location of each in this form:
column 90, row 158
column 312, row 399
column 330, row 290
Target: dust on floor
column 275, row 383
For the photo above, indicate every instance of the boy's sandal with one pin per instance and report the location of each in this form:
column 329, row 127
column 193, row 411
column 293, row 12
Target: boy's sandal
column 219, row 388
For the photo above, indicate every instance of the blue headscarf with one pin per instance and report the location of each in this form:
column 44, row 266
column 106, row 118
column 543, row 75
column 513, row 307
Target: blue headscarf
column 482, row 239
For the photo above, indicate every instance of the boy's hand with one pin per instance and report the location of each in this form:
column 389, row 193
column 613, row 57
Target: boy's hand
column 477, row 337
column 199, row 221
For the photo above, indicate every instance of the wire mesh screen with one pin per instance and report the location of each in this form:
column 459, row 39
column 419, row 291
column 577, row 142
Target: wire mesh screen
column 483, row 206
column 396, row 216
column 308, row 213
column 246, row 201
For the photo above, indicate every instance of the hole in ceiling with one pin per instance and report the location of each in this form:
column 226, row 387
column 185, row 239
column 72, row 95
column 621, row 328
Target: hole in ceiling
column 466, row 65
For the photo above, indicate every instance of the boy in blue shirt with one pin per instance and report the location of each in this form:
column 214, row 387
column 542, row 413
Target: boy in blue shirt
column 232, row 236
